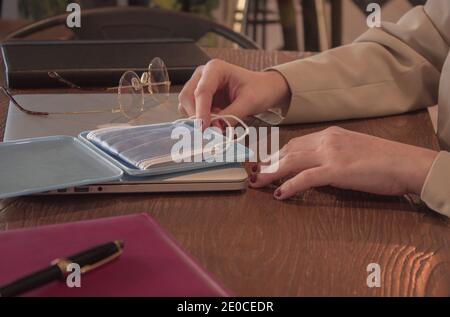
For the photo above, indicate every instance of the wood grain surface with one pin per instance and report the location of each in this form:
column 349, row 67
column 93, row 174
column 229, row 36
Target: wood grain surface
column 318, row 244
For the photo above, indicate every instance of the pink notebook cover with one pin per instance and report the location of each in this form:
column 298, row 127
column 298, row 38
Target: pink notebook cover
column 152, row 265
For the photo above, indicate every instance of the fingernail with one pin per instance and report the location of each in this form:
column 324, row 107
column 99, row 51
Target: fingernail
column 255, row 169
column 278, row 193
column 219, row 126
column 253, row 178
column 223, row 125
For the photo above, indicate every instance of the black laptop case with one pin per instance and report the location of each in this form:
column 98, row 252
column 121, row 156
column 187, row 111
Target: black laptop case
column 95, row 63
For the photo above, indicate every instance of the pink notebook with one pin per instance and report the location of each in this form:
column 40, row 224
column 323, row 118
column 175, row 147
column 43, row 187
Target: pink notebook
column 152, row 265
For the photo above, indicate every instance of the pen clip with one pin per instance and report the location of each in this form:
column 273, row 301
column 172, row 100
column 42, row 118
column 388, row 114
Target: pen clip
column 91, row 267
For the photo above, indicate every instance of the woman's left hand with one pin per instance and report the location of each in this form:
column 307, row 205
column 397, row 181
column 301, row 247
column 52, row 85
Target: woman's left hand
column 346, row 160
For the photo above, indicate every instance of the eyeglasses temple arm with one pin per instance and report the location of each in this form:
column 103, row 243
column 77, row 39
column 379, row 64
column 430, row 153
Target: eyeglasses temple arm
column 163, row 83
column 59, row 78
column 113, row 110
column 14, row 101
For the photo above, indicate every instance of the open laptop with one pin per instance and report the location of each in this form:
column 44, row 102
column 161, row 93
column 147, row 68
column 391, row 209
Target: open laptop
column 20, row 126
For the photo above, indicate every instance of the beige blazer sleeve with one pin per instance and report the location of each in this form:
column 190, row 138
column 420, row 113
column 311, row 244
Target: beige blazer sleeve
column 388, row 70
column 436, row 191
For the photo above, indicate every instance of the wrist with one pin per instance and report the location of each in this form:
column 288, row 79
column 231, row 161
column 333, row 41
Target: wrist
column 420, row 169
column 279, row 92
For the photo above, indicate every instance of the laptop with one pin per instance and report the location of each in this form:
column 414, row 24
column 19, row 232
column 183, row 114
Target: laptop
column 19, row 126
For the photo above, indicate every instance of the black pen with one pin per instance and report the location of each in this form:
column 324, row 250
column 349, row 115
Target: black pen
column 87, row 260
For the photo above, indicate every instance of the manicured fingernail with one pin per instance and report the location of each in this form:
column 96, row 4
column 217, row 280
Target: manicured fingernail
column 278, row 193
column 219, row 125
column 223, row 125
column 255, row 169
column 253, row 178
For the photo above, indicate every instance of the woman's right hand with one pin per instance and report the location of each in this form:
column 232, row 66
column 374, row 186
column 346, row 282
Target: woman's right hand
column 225, row 89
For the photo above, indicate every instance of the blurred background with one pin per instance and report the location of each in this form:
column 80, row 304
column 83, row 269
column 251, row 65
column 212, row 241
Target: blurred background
column 302, row 25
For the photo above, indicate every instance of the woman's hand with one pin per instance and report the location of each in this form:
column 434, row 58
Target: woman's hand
column 347, row 160
column 227, row 89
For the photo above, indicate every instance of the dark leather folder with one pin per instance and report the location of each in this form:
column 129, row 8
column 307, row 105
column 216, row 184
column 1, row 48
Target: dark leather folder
column 95, row 63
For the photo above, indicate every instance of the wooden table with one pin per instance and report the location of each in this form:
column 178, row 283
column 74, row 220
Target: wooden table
column 319, row 244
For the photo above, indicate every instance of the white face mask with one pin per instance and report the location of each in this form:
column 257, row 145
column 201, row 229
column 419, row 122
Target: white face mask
column 147, row 146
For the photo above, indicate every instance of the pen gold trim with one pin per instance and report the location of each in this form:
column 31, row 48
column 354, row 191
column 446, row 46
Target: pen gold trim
column 62, row 264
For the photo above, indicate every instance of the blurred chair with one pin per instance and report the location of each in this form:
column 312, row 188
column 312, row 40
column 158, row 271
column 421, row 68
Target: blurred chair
column 252, row 17
column 315, row 25
column 90, row 4
column 137, row 23
column 336, row 23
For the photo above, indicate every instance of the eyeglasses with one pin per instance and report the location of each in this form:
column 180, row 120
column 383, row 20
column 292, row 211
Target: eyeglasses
column 131, row 92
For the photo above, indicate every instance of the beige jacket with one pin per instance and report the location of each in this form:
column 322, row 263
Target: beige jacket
column 389, row 70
